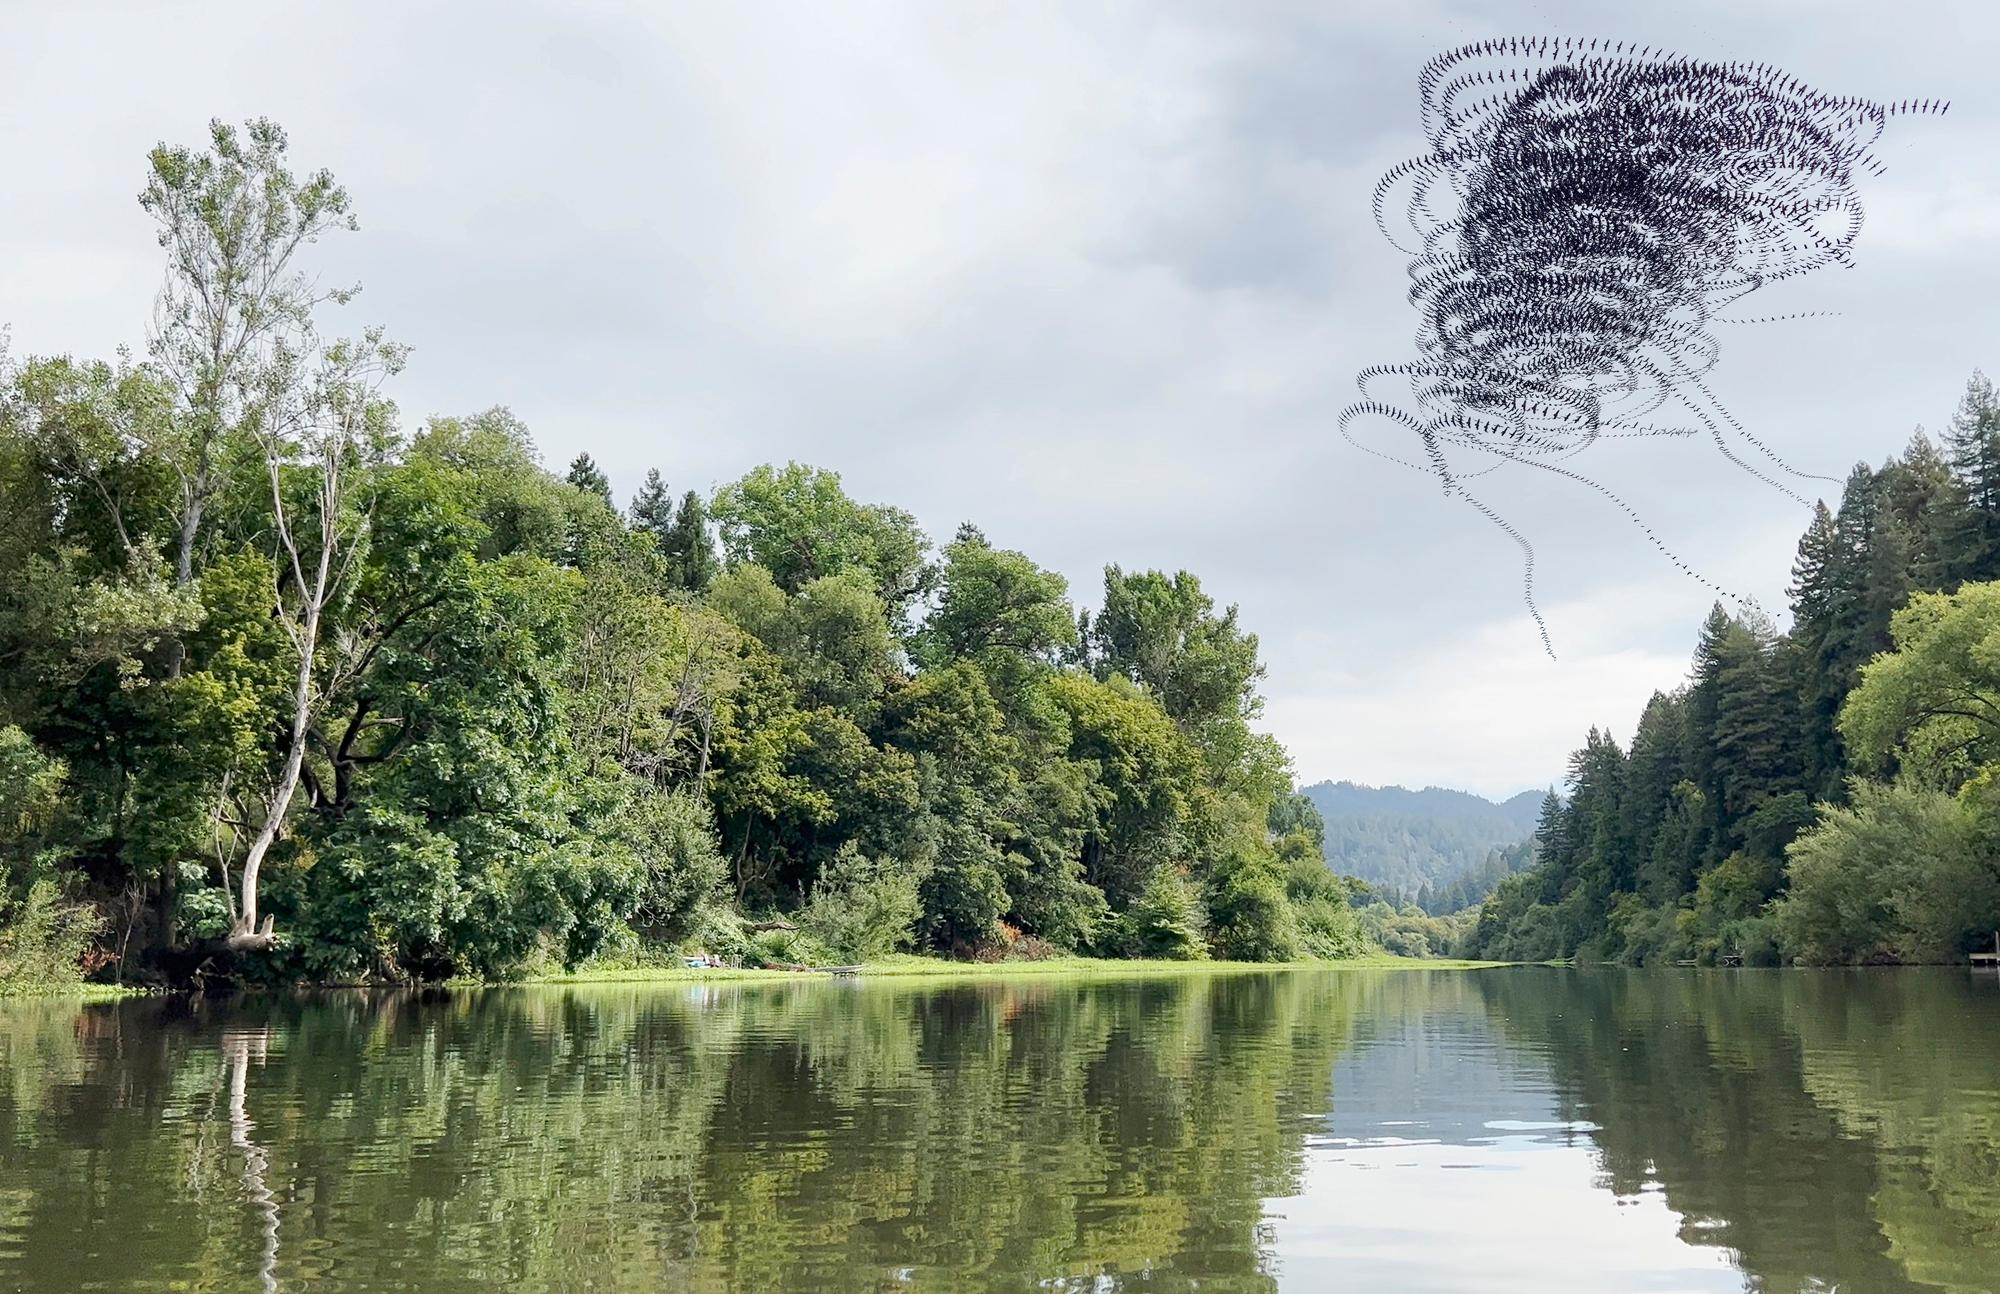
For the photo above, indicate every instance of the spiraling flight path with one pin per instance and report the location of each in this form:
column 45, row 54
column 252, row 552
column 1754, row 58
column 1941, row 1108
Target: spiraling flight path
column 1587, row 212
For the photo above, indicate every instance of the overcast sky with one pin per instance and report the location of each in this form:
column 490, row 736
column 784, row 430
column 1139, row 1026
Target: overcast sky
column 1097, row 277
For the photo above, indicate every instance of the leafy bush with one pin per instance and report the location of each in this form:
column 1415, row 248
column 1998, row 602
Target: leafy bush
column 1903, row 873
column 1638, row 935
column 1167, row 920
column 674, row 837
column 1328, row 928
column 1412, row 932
column 1322, row 910
column 791, row 947
column 43, row 939
column 720, row 929
column 1252, row 916
column 1031, row 948
column 862, row 907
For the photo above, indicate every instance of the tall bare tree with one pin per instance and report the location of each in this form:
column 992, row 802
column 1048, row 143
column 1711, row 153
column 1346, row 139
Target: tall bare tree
column 234, row 307
column 319, row 432
column 235, row 339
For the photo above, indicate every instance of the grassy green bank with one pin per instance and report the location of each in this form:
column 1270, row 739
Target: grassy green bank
column 902, row 967
column 910, row 967
column 73, row 993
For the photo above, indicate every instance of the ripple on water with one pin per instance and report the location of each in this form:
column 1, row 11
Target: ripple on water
column 1435, row 1132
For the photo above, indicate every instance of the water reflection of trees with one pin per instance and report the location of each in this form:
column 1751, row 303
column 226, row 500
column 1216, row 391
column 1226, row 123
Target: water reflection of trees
column 1838, row 1131
column 622, row 1137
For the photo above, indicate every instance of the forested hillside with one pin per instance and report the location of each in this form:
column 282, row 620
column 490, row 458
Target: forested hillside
column 294, row 687
column 1419, row 844
column 1824, row 792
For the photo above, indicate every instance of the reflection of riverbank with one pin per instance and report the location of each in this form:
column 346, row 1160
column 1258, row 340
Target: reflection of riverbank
column 1446, row 1163
column 900, row 967
column 813, row 1135
column 1234, row 1132
column 1836, row 1129
column 915, row 967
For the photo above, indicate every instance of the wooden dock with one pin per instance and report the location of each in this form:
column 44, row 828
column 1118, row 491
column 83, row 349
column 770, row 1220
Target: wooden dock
column 1989, row 959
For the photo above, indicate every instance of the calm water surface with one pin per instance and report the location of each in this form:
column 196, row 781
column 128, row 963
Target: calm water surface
column 1409, row 1131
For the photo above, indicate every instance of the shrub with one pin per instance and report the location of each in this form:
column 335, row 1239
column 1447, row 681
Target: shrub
column 792, row 947
column 719, row 928
column 1251, row 915
column 43, row 940
column 1903, row 873
column 674, row 837
column 1645, row 936
column 862, row 907
column 1166, row 920
column 1328, row 928
column 1413, row 932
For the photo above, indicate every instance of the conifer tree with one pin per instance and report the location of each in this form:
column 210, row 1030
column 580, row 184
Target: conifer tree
column 1853, row 633
column 586, row 475
column 1703, row 709
column 1812, row 598
column 1972, row 450
column 1917, row 491
column 653, row 509
column 689, row 547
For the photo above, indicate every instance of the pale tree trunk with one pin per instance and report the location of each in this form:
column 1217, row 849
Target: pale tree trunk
column 339, row 407
column 247, row 934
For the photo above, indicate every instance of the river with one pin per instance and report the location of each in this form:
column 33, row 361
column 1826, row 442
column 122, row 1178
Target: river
column 1417, row 1131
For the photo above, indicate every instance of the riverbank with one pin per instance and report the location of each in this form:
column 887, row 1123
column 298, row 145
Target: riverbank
column 900, row 967
column 75, row 993
column 909, row 966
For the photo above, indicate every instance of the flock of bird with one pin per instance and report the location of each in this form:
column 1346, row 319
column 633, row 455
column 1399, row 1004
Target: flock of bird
column 1586, row 212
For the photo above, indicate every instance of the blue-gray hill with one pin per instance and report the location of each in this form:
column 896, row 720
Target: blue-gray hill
column 1398, row 840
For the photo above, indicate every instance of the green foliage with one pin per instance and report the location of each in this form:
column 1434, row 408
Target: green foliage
column 1167, row 920
column 786, row 947
column 30, row 786
column 798, row 523
column 688, row 548
column 1931, row 707
column 1249, row 912
column 498, row 725
column 1638, row 935
column 587, row 476
column 1906, row 873
column 652, row 510
column 862, row 907
column 1412, row 932
column 1162, row 632
column 673, row 837
column 1742, row 823
column 996, row 601
column 43, row 939
column 1327, row 923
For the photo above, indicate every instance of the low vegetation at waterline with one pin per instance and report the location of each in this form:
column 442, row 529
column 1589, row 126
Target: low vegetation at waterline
column 290, row 689
column 1825, row 794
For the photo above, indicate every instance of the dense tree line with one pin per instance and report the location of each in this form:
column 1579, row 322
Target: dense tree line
column 284, row 683
column 1469, row 888
column 1820, row 793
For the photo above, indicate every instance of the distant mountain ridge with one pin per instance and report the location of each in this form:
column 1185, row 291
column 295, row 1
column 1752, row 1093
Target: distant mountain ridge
column 1399, row 840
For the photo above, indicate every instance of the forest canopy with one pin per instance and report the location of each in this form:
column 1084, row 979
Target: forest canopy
column 292, row 685
column 1824, row 793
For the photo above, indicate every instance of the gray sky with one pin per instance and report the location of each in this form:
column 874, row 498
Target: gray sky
column 1097, row 277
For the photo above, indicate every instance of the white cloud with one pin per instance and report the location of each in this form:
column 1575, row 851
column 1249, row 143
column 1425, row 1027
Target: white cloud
column 1097, row 278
